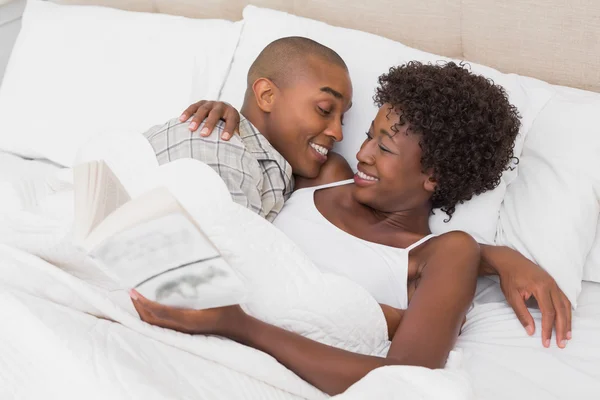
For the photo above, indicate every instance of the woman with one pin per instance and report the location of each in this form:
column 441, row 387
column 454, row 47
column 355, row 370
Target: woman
column 441, row 136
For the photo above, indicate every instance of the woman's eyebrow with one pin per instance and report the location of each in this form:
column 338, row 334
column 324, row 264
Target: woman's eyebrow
column 386, row 133
column 382, row 131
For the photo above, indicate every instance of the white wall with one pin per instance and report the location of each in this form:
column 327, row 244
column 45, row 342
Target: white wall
column 10, row 24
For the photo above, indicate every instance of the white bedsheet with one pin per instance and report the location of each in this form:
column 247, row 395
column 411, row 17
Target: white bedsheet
column 69, row 307
column 55, row 343
column 16, row 176
column 504, row 363
column 13, row 167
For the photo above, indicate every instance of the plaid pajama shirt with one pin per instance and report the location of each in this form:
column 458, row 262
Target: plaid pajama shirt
column 257, row 176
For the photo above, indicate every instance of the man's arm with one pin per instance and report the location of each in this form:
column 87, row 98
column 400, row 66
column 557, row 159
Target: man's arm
column 520, row 279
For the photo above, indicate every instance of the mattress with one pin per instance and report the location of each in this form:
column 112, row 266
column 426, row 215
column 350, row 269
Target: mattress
column 58, row 346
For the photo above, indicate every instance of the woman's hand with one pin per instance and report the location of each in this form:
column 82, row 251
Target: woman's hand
column 211, row 112
column 214, row 321
column 520, row 279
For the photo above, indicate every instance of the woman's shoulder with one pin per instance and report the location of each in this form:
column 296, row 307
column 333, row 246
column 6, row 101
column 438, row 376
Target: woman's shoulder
column 335, row 169
column 459, row 239
column 453, row 247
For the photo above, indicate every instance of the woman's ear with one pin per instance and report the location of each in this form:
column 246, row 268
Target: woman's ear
column 430, row 183
column 264, row 94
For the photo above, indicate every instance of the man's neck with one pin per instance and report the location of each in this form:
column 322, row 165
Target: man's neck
column 256, row 118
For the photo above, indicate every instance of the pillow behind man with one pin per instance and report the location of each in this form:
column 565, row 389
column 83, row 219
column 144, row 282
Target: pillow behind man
column 368, row 56
column 90, row 70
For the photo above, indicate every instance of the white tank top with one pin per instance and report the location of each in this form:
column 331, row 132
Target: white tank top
column 380, row 269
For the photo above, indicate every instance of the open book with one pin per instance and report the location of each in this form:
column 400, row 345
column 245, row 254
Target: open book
column 150, row 243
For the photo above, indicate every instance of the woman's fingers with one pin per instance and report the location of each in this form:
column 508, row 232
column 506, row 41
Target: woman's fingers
column 159, row 314
column 232, row 124
column 209, row 113
column 517, row 302
column 214, row 116
column 201, row 113
column 139, row 304
column 191, row 110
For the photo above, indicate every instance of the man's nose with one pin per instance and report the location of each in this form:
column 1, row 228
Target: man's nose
column 334, row 130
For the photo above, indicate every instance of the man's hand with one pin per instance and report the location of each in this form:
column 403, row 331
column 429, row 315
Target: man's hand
column 520, row 279
column 211, row 112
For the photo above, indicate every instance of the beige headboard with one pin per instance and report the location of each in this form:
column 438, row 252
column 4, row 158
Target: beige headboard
column 554, row 40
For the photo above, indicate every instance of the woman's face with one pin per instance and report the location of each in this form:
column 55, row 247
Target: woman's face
column 389, row 177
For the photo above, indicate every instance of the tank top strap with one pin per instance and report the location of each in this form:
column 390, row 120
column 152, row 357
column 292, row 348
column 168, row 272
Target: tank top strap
column 420, row 242
column 330, row 185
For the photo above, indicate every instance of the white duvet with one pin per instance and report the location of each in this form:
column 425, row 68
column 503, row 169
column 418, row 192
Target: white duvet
column 70, row 333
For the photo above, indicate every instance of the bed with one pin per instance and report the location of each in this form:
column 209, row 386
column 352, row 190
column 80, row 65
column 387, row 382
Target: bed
column 59, row 339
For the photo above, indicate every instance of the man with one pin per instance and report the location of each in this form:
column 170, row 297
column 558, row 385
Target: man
column 297, row 93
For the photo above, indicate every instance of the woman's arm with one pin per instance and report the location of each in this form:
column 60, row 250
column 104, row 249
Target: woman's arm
column 425, row 337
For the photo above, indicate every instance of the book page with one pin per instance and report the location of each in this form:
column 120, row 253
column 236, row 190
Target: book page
column 110, row 194
column 151, row 205
column 97, row 193
column 130, row 157
column 170, row 261
column 83, row 183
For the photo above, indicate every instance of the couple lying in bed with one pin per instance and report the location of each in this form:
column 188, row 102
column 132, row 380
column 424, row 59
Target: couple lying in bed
column 441, row 135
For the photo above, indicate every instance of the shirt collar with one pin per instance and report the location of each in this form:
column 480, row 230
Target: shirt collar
column 263, row 150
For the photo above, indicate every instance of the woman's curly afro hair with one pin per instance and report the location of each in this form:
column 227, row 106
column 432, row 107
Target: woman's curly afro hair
column 466, row 123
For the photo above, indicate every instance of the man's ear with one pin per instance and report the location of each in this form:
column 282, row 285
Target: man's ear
column 264, row 94
column 430, row 183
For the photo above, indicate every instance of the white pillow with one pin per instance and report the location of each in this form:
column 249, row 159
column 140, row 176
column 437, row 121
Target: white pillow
column 80, row 71
column 367, row 57
column 591, row 268
column 550, row 212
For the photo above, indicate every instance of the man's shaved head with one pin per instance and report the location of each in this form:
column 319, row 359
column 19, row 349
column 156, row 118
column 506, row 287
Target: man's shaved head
column 288, row 58
column 298, row 91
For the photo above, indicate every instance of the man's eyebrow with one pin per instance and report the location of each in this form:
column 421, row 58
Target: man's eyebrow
column 333, row 92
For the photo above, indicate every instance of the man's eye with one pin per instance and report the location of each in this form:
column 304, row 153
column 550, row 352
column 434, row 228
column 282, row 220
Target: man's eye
column 323, row 111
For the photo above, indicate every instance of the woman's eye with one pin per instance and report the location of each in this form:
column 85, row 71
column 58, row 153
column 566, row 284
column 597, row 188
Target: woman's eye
column 384, row 149
column 369, row 137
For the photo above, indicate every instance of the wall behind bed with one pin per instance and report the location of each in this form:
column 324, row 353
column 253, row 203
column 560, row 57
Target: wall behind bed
column 554, row 40
column 10, row 23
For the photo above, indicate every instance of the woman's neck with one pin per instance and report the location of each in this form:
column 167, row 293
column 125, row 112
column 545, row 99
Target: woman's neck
column 413, row 220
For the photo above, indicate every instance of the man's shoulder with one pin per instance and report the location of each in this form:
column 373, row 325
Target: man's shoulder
column 216, row 134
